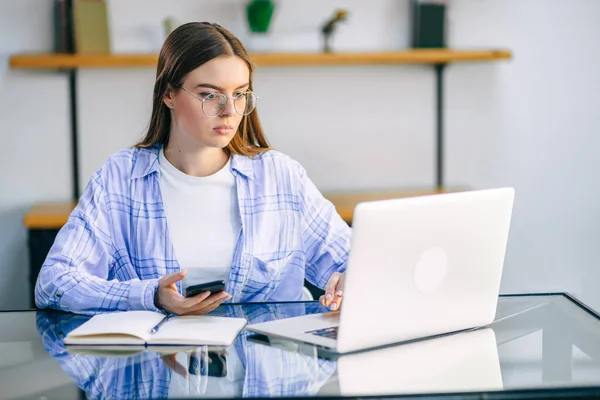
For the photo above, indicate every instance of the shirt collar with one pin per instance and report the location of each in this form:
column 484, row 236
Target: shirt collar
column 242, row 165
column 145, row 162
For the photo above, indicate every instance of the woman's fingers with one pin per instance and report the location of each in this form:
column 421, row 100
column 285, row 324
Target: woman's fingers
column 209, row 304
column 191, row 302
column 170, row 361
column 333, row 291
column 339, row 292
column 330, row 289
column 171, row 279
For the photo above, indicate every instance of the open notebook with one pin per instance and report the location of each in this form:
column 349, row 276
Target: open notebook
column 133, row 328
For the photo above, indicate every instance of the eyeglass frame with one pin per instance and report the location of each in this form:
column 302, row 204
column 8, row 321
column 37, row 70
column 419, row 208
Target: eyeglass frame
column 227, row 99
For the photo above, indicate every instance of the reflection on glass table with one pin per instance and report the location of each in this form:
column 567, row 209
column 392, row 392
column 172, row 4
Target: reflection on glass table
column 242, row 370
column 535, row 343
column 462, row 362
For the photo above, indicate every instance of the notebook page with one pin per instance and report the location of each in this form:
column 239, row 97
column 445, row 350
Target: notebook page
column 198, row 330
column 105, row 341
column 134, row 323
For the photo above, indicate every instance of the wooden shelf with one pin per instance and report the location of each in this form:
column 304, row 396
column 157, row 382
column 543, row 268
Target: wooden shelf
column 345, row 202
column 48, row 215
column 420, row 56
column 55, row 215
column 437, row 56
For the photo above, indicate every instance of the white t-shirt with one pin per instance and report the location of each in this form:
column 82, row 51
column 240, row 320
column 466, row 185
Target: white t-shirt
column 203, row 219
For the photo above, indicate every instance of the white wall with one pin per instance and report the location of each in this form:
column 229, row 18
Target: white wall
column 34, row 164
column 527, row 122
column 533, row 124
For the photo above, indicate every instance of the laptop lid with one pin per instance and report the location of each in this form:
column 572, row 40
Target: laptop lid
column 423, row 266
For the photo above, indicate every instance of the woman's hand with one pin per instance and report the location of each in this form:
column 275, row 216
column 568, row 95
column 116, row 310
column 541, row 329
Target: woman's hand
column 334, row 291
column 169, row 299
column 170, row 361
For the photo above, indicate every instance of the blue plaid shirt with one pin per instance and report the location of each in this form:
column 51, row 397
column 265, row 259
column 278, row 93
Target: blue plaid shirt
column 116, row 245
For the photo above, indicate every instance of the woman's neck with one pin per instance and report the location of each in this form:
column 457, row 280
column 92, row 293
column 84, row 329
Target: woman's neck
column 199, row 161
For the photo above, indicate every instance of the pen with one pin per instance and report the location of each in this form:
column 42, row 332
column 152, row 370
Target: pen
column 162, row 321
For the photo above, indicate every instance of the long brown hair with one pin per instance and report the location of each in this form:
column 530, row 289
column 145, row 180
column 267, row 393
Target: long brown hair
column 184, row 50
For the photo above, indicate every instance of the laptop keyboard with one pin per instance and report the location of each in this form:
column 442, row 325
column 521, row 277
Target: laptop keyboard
column 330, row 333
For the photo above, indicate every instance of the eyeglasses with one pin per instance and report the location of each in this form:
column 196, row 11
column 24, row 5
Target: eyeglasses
column 214, row 103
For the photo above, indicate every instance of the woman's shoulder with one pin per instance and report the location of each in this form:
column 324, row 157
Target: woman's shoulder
column 272, row 168
column 129, row 163
column 276, row 160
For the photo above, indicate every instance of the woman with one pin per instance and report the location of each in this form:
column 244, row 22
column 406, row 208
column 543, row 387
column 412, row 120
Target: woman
column 202, row 192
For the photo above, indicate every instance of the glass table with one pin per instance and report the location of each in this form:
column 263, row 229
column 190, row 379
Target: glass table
column 539, row 346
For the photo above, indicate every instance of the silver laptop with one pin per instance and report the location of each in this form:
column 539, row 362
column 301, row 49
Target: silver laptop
column 418, row 267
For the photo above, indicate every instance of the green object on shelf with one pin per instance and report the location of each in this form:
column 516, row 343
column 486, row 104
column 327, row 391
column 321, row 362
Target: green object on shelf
column 259, row 14
column 92, row 33
column 429, row 25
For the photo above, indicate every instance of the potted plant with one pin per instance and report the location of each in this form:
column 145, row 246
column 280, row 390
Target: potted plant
column 259, row 14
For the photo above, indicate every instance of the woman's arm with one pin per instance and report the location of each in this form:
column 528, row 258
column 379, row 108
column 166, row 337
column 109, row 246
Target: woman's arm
column 325, row 235
column 74, row 275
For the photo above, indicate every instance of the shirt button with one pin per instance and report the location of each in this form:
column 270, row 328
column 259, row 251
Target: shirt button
column 59, row 294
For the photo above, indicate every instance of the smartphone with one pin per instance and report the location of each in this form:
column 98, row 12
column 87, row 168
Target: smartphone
column 217, row 365
column 212, row 287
